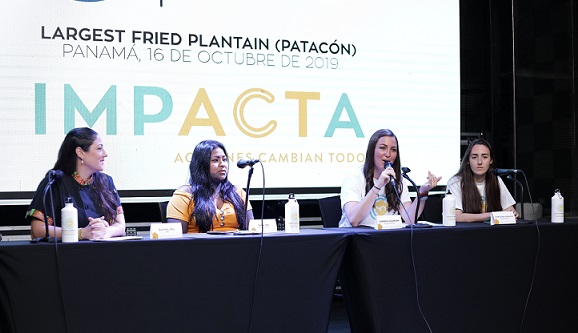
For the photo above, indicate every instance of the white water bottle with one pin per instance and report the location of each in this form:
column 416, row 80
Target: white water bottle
column 557, row 207
column 449, row 210
column 292, row 215
column 69, row 218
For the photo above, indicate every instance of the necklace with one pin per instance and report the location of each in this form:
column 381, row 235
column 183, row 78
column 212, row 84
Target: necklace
column 81, row 181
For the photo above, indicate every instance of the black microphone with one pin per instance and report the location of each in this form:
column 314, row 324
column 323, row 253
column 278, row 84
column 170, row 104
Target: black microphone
column 505, row 172
column 243, row 163
column 386, row 165
column 53, row 175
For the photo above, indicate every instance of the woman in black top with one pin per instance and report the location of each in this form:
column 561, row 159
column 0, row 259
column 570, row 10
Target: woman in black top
column 78, row 173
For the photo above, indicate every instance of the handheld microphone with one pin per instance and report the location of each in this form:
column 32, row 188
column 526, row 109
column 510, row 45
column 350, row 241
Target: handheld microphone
column 504, row 172
column 386, row 165
column 243, row 163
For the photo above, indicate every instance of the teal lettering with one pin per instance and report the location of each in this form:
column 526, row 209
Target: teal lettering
column 72, row 102
column 353, row 123
column 40, row 108
column 140, row 118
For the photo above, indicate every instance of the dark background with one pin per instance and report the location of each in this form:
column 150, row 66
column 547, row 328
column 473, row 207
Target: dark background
column 518, row 88
column 518, row 91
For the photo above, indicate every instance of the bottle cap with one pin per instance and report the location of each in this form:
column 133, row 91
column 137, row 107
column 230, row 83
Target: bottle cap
column 68, row 200
column 291, row 196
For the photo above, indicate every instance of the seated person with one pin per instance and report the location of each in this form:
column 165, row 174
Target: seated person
column 368, row 191
column 81, row 161
column 209, row 201
column 478, row 192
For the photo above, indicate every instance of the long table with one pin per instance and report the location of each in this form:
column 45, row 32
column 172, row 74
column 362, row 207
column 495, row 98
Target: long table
column 468, row 278
column 201, row 283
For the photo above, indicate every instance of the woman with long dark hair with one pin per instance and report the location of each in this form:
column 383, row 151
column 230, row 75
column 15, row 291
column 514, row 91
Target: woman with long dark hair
column 368, row 192
column 80, row 162
column 478, row 192
column 209, row 201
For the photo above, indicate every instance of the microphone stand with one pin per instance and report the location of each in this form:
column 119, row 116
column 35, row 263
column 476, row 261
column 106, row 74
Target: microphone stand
column 522, row 218
column 48, row 189
column 247, row 198
column 415, row 224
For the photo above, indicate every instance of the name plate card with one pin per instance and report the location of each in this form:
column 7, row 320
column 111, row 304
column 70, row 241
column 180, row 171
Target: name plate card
column 269, row 225
column 502, row 218
column 166, row 230
column 388, row 222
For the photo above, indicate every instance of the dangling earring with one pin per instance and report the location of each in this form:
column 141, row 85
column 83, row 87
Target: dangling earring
column 81, row 161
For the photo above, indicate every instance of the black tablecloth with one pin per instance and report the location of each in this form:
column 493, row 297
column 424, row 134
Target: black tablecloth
column 470, row 278
column 203, row 283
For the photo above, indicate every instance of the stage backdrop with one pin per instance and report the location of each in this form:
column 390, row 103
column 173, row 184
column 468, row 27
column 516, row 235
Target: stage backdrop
column 300, row 85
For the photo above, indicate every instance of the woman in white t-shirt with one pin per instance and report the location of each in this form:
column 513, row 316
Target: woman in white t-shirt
column 368, row 191
column 478, row 192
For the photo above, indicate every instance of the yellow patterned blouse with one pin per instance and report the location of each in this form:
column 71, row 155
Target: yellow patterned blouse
column 181, row 206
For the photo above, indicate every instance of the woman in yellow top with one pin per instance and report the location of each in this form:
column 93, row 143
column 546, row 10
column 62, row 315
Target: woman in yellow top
column 209, row 201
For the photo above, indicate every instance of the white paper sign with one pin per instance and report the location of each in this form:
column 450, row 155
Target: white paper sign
column 502, row 218
column 166, row 230
column 269, row 225
column 388, row 222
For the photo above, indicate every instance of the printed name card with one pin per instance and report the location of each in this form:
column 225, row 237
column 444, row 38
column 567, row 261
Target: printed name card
column 388, row 222
column 166, row 230
column 269, row 225
column 502, row 218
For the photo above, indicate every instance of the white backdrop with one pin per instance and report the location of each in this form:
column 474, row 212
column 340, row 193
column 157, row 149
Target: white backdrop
column 302, row 86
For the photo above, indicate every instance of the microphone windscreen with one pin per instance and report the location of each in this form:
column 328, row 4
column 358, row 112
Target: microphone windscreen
column 243, row 163
column 388, row 164
column 501, row 172
column 56, row 174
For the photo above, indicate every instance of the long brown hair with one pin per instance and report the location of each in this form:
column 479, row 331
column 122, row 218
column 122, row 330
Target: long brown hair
column 393, row 201
column 84, row 137
column 471, row 198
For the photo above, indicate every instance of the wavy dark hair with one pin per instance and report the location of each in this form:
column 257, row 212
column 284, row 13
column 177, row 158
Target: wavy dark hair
column 84, row 137
column 393, row 201
column 471, row 198
column 202, row 190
